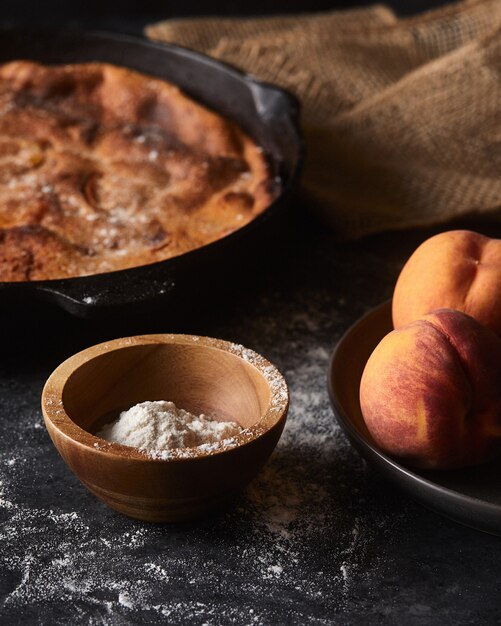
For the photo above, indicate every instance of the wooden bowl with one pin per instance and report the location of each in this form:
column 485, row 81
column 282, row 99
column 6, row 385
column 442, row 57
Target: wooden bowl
column 199, row 374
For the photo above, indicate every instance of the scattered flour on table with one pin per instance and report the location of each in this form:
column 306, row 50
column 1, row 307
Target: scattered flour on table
column 311, row 528
column 159, row 426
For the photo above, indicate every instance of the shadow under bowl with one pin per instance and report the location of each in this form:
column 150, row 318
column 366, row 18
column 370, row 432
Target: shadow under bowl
column 199, row 374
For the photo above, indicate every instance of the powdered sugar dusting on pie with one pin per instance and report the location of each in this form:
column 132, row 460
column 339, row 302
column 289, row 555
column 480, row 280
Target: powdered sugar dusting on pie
column 103, row 168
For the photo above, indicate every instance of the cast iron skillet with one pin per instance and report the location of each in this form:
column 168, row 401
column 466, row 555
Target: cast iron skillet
column 267, row 113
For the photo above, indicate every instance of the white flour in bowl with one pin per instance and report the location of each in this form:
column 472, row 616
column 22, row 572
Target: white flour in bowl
column 161, row 426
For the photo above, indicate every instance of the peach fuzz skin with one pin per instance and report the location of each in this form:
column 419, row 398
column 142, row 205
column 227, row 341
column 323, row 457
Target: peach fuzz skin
column 431, row 392
column 457, row 269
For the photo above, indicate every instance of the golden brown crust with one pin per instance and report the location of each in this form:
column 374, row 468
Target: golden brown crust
column 103, row 168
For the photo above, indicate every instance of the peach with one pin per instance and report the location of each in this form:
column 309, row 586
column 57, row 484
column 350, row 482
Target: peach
column 431, row 392
column 457, row 269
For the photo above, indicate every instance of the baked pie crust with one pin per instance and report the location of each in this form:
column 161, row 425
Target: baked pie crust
column 103, row 168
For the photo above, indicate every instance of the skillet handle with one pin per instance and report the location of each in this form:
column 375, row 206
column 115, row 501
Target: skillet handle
column 95, row 296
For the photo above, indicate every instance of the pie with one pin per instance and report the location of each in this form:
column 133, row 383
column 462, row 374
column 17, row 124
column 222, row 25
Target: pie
column 103, row 168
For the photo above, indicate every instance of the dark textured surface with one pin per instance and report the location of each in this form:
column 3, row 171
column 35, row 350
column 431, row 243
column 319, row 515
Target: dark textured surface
column 317, row 538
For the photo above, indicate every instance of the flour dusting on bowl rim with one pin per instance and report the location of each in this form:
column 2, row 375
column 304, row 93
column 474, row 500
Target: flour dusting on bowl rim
column 53, row 406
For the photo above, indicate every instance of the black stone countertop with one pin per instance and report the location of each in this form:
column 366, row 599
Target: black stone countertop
column 317, row 538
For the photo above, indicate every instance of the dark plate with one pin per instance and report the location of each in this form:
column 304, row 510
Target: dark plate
column 267, row 113
column 471, row 496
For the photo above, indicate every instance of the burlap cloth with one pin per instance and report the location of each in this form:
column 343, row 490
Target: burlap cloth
column 402, row 117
